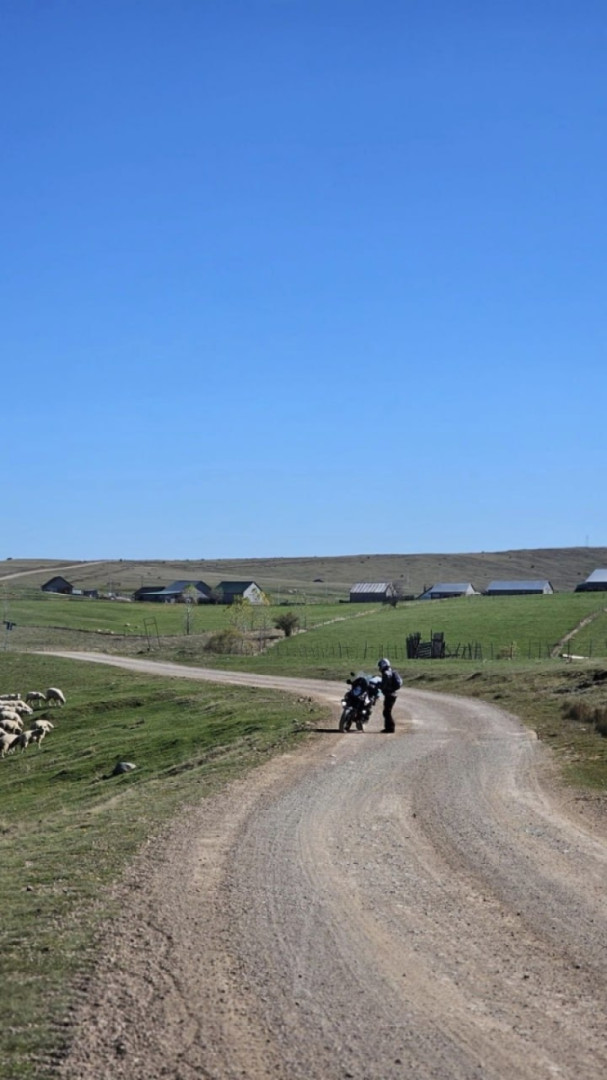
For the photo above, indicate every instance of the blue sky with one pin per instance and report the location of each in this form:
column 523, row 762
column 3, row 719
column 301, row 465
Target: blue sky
column 302, row 277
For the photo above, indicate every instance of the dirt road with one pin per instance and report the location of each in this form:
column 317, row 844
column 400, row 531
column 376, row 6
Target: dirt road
column 375, row 907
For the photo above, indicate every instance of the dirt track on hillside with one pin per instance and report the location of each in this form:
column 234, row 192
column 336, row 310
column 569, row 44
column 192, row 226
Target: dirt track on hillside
column 415, row 906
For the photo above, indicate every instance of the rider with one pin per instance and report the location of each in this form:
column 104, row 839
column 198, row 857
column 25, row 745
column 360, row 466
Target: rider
column 391, row 682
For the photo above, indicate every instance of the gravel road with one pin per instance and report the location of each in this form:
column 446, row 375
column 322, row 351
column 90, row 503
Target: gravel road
column 424, row 905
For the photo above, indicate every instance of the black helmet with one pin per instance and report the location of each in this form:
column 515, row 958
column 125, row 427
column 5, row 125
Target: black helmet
column 384, row 664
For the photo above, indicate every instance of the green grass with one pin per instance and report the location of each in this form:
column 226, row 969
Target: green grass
column 67, row 826
column 530, row 626
column 30, row 609
column 533, row 624
column 591, row 640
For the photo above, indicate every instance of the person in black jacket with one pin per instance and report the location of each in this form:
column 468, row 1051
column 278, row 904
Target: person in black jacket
column 391, row 683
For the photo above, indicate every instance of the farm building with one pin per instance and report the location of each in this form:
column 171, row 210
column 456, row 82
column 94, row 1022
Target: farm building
column 180, row 590
column 58, row 585
column 518, row 588
column 148, row 592
column 444, row 590
column 177, row 592
column 595, row 582
column 229, row 591
column 372, row 592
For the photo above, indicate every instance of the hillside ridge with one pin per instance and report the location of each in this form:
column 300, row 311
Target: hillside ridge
column 317, row 576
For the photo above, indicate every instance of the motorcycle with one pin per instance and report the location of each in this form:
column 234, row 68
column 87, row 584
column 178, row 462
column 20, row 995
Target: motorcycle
column 357, row 703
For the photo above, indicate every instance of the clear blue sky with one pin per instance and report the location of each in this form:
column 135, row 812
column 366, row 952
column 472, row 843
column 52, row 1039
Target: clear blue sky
column 302, row 277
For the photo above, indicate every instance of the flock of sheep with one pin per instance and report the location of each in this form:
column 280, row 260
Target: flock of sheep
column 15, row 711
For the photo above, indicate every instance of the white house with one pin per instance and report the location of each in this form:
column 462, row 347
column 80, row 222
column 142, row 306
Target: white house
column 229, row 591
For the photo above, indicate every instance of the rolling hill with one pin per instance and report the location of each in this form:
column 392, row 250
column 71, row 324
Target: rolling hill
column 317, row 577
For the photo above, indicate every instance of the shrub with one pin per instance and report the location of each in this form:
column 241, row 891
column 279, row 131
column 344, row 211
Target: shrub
column 287, row 622
column 229, row 640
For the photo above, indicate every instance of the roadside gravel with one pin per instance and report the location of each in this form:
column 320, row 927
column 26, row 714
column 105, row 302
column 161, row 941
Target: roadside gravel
column 424, row 906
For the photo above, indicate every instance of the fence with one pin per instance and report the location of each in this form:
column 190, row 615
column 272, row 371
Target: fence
column 370, row 651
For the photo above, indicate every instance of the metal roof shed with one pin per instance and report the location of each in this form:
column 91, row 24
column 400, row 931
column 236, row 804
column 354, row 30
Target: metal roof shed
column 518, row 588
column 444, row 590
column 372, row 592
column 595, row 582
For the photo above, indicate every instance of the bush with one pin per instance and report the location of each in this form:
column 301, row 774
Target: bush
column 227, row 641
column 287, row 622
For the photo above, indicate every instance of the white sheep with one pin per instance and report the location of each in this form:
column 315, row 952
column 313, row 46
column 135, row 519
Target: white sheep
column 21, row 708
column 53, row 694
column 9, row 714
column 43, row 723
column 7, row 743
column 10, row 697
column 11, row 727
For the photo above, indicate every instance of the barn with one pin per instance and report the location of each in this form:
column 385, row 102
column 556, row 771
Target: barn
column 58, row 584
column 518, row 588
column 199, row 591
column 372, row 592
column 445, row 590
column 178, row 591
column 595, row 582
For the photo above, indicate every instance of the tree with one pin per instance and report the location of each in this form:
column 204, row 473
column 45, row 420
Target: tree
column 240, row 613
column 287, row 622
column 189, row 597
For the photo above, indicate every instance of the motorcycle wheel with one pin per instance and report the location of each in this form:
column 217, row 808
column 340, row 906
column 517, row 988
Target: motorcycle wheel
column 345, row 720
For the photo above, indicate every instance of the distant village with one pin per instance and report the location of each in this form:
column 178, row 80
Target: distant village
column 364, row 592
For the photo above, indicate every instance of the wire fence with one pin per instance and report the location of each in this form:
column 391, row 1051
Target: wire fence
column 370, row 651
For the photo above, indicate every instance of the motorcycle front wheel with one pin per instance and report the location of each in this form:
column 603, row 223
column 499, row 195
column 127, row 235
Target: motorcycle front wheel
column 345, row 720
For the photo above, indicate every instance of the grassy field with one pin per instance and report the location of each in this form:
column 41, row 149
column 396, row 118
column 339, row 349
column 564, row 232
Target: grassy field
column 519, row 626
column 67, row 826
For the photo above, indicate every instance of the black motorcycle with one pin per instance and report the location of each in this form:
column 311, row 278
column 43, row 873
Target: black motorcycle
column 357, row 703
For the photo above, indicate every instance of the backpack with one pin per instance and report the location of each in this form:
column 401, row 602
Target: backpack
column 397, row 682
